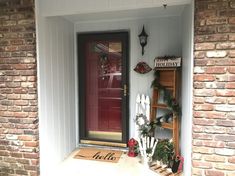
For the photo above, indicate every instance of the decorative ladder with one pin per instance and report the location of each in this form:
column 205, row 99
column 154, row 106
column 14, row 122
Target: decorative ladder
column 169, row 78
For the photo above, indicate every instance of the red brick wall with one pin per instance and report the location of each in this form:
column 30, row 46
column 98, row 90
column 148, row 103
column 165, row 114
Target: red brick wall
column 214, row 88
column 18, row 93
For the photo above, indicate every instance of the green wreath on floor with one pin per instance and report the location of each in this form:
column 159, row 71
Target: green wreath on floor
column 168, row 99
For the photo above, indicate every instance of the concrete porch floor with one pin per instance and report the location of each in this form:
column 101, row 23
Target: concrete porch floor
column 126, row 166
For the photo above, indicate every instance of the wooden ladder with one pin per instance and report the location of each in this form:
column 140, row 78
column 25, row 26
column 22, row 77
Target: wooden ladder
column 169, row 78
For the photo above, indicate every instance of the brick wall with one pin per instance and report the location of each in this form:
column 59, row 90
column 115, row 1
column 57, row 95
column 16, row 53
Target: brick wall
column 18, row 94
column 214, row 88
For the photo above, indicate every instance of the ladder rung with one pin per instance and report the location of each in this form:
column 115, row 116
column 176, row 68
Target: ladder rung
column 162, row 106
column 167, row 125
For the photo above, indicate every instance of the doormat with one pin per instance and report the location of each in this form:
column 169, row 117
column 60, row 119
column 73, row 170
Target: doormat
column 112, row 156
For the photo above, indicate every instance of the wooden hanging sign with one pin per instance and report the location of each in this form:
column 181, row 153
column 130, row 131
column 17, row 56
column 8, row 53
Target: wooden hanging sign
column 161, row 62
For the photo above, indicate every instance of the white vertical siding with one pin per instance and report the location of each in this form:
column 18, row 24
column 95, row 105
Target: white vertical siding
column 56, row 84
column 187, row 87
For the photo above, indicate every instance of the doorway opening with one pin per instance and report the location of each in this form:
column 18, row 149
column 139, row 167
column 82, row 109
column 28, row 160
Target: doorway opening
column 103, row 88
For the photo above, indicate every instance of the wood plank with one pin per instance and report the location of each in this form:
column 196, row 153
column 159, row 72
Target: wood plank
column 176, row 134
column 161, row 106
column 163, row 171
column 167, row 125
column 154, row 110
column 168, row 68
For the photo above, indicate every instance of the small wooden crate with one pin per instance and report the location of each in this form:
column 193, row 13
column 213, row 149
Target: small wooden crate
column 163, row 171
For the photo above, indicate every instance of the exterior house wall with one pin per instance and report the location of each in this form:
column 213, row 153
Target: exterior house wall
column 18, row 89
column 214, row 88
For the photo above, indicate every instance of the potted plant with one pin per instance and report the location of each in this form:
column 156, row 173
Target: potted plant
column 164, row 152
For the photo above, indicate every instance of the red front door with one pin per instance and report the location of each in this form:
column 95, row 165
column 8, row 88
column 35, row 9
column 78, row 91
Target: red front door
column 103, row 74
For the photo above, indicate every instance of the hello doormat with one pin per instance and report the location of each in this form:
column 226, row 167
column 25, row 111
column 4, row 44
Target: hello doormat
column 98, row 155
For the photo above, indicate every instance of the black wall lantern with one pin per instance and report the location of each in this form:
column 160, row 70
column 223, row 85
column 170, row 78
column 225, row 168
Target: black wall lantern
column 143, row 39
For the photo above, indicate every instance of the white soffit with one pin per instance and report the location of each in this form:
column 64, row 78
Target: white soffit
column 127, row 14
column 69, row 7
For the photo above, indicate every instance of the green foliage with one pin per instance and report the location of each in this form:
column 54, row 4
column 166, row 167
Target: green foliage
column 147, row 128
column 143, row 124
column 164, row 151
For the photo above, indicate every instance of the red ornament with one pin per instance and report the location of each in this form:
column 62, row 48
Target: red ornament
column 132, row 144
column 142, row 68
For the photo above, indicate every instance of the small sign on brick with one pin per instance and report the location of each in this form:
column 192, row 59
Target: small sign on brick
column 162, row 62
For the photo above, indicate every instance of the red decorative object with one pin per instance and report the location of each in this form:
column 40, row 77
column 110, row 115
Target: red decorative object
column 142, row 68
column 180, row 168
column 132, row 144
column 177, row 165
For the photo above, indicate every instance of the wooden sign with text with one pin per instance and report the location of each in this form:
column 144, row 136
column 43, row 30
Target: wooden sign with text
column 169, row 62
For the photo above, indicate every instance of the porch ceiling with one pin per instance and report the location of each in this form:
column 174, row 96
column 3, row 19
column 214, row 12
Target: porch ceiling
column 127, row 14
column 48, row 8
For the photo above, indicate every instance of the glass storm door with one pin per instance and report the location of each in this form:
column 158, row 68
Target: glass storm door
column 102, row 59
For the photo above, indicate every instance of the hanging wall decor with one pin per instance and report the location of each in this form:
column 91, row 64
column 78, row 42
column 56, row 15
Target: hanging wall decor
column 142, row 68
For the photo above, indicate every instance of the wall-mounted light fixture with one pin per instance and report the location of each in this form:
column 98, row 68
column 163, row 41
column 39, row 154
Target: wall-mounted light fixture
column 143, row 39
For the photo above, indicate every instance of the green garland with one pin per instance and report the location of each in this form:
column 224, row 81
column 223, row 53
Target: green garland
column 170, row 101
column 146, row 128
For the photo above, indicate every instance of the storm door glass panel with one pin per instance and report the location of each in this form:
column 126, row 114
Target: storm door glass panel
column 103, row 82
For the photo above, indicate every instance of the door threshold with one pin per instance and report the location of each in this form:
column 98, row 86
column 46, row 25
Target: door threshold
column 83, row 145
column 105, row 135
column 103, row 143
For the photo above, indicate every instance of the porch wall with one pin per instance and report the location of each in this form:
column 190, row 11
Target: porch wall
column 56, row 78
column 18, row 89
column 214, row 89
